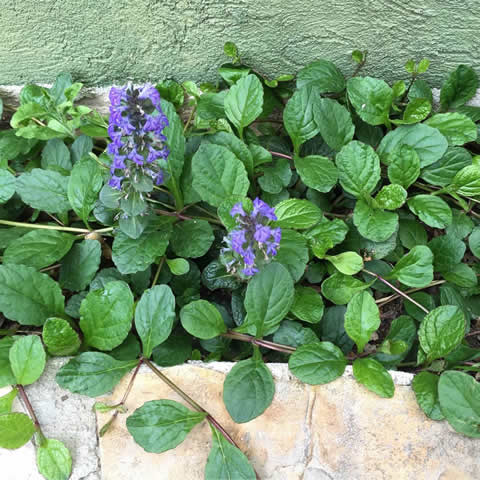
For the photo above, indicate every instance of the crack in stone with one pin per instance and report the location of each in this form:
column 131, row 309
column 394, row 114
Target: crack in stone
column 308, row 450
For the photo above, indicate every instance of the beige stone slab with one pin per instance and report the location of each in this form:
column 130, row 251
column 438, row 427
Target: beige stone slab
column 338, row 431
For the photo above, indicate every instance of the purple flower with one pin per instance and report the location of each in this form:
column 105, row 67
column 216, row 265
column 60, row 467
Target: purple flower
column 253, row 242
column 136, row 129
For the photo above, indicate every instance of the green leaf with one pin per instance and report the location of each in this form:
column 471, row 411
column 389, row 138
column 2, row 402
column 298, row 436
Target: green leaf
column 178, row 266
column 428, row 142
column 414, row 269
column 461, row 275
column 93, row 373
column 54, row 460
column 425, row 386
column 417, row 110
column 474, row 242
column 226, row 461
column 27, row 296
column 403, row 165
column 59, row 337
column 334, row 122
column 215, row 276
column 307, row 305
column 431, row 210
column 6, row 401
column 269, row 297
column 154, row 316
column 160, row 425
column 348, row 263
column 326, row 235
column 294, row 334
column 177, row 349
column 317, row 363
column 106, row 315
column 317, row 172
column 298, row 116
column 276, row 177
column 218, row 174
column 362, row 318
column 45, row 190
column 371, row 99
column 244, row 102
column 374, row 224
column 56, row 156
column 16, row 429
column 248, row 389
column 412, row 233
column 441, row 331
column 172, row 92
column 358, row 168
column 38, row 248
column 7, row 185
column 132, row 256
column 391, row 197
column 202, row 320
column 192, row 238
column 459, row 87
column 372, row 375
column 340, row 289
column 322, row 74
column 467, row 181
column 443, row 171
column 80, row 265
column 175, row 142
column 84, row 186
column 447, row 251
column 6, row 374
column 226, row 206
column 455, row 127
column 235, row 145
column 297, row 214
column 293, row 253
column 459, row 396
column 27, row 359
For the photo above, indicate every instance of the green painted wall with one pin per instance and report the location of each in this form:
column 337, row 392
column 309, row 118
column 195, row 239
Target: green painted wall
column 106, row 41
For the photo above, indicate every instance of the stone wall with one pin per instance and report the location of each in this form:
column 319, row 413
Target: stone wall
column 106, row 41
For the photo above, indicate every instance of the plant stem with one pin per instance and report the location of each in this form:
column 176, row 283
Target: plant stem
column 53, row 227
column 30, row 411
column 189, row 400
column 385, row 300
column 282, row 155
column 403, row 294
column 159, row 269
column 471, row 334
column 259, row 342
column 51, row 267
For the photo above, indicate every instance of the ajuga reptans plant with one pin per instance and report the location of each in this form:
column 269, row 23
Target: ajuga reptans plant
column 322, row 219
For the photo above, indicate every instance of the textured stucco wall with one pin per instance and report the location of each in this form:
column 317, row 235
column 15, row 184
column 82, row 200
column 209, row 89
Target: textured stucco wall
column 107, row 41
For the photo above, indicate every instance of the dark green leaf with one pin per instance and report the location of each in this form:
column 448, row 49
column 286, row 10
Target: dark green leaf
column 404, row 165
column 93, row 373
column 362, row 318
column 106, row 315
column 202, row 320
column 459, row 87
column 45, row 190
column 160, row 425
column 358, row 168
column 322, row 74
column 226, row 461
column 307, row 305
column 38, row 248
column 7, row 185
column 317, row 363
column 444, row 170
column 215, row 276
column 459, row 396
column 248, row 389
column 441, row 331
column 317, row 172
column 293, row 253
column 192, row 238
column 27, row 296
column 425, row 386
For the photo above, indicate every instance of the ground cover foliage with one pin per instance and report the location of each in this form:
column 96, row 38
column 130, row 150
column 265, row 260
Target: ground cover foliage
column 321, row 220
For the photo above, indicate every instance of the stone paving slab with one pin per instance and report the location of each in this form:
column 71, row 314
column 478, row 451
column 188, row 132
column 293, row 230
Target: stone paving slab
column 338, row 431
